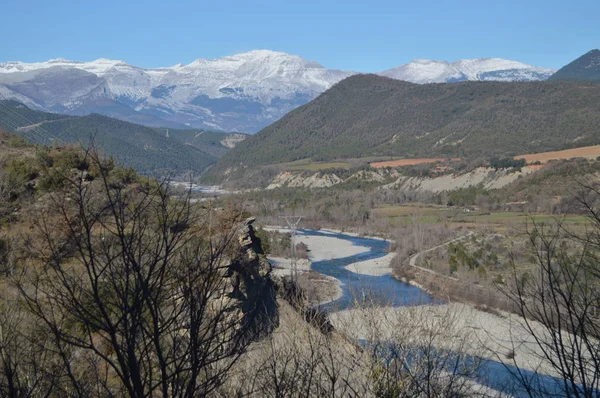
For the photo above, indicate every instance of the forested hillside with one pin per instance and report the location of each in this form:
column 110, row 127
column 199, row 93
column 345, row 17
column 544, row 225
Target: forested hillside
column 368, row 115
column 147, row 150
column 214, row 143
column 586, row 67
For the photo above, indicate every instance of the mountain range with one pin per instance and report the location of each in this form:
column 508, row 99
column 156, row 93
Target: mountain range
column 483, row 69
column 371, row 115
column 243, row 92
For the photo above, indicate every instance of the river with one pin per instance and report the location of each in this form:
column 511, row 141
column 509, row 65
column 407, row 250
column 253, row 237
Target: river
column 384, row 290
column 388, row 291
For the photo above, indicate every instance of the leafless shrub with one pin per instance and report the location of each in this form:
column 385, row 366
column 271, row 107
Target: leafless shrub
column 299, row 360
column 414, row 351
column 559, row 302
column 131, row 288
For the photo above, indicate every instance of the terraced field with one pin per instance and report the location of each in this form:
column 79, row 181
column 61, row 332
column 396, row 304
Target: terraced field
column 588, row 152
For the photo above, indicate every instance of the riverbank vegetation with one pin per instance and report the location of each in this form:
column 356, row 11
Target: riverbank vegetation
column 499, row 220
column 115, row 285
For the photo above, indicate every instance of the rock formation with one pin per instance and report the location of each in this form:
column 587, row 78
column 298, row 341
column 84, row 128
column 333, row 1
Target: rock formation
column 251, row 283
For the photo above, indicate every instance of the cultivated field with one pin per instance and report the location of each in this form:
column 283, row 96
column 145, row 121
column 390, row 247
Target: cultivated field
column 409, row 162
column 308, row 164
column 402, row 215
column 590, row 152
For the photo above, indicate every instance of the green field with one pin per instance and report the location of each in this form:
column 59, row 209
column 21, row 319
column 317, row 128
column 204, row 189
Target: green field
column 526, row 217
column 321, row 166
column 428, row 214
column 309, row 164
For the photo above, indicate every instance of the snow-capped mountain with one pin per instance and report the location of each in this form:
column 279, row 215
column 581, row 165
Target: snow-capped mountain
column 497, row 69
column 243, row 92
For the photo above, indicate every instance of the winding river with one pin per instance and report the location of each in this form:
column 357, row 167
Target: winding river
column 384, row 290
column 388, row 291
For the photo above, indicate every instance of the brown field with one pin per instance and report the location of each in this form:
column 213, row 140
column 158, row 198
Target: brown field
column 583, row 152
column 409, row 162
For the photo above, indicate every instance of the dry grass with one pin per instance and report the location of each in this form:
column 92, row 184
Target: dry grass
column 589, row 152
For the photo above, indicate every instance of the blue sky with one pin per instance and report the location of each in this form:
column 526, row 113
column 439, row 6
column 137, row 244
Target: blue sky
column 364, row 36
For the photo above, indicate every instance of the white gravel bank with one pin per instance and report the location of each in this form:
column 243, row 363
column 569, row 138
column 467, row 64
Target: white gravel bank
column 489, row 335
column 375, row 267
column 325, row 247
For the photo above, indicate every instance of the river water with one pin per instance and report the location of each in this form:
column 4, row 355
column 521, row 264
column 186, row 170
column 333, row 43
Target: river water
column 384, row 290
column 388, row 291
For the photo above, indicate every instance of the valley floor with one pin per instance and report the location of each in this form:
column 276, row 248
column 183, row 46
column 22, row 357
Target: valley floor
column 493, row 335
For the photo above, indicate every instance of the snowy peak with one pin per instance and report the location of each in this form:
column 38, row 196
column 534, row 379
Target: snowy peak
column 255, row 56
column 432, row 71
column 272, row 58
column 98, row 67
column 256, row 65
column 242, row 92
column 424, row 71
column 238, row 93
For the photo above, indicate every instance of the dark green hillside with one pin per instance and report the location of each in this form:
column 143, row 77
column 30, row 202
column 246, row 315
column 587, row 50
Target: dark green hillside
column 144, row 149
column 586, row 67
column 133, row 145
column 14, row 113
column 210, row 142
column 368, row 115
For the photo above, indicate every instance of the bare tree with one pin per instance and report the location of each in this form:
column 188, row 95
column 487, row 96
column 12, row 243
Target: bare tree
column 137, row 289
column 300, row 360
column 559, row 304
column 414, row 352
column 27, row 364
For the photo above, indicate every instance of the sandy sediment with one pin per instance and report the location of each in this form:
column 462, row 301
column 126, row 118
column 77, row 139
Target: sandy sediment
column 328, row 248
column 325, row 247
column 336, row 231
column 374, row 267
column 499, row 336
column 321, row 288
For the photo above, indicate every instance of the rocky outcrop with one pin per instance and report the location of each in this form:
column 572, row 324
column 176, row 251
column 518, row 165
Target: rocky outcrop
column 375, row 175
column 250, row 282
column 232, row 139
column 304, row 179
column 485, row 176
column 489, row 178
column 299, row 180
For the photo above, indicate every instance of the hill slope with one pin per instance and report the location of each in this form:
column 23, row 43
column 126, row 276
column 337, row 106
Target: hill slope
column 146, row 150
column 369, row 115
column 586, row 67
column 214, row 143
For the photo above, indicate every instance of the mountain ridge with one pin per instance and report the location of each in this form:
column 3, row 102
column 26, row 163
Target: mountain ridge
column 149, row 151
column 371, row 115
column 237, row 93
column 477, row 69
column 586, row 67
